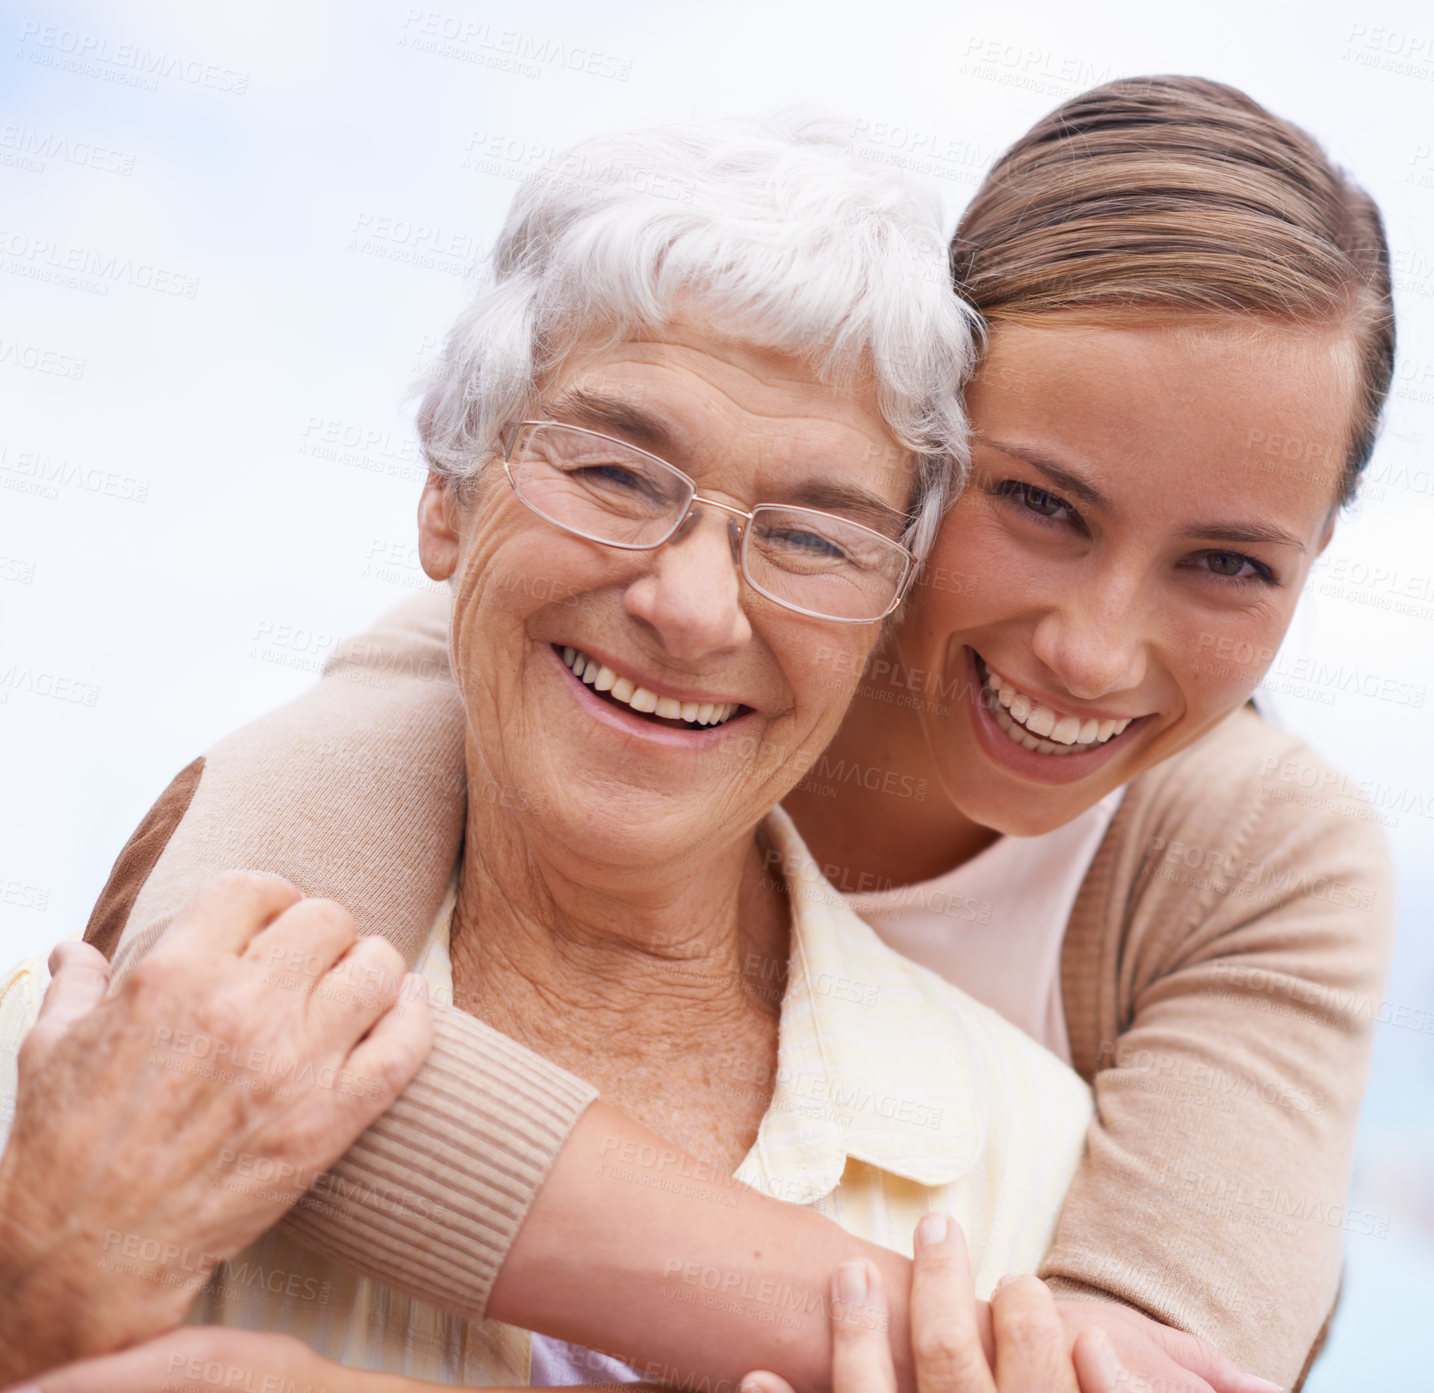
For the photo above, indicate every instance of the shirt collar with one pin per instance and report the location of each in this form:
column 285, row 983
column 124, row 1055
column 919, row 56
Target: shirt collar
column 872, row 1061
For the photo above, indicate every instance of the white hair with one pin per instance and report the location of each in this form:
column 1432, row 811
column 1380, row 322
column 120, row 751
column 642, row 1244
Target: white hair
column 784, row 238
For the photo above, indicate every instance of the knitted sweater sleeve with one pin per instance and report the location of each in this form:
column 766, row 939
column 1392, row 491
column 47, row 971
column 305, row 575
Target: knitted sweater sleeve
column 355, row 791
column 1223, row 974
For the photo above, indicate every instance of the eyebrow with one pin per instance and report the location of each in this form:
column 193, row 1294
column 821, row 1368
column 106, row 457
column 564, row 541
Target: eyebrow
column 1057, row 474
column 612, row 413
column 834, row 496
column 649, row 433
column 1247, row 533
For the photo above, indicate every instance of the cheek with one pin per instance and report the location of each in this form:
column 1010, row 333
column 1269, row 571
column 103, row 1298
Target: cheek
column 824, row 677
column 505, row 576
column 976, row 575
column 1219, row 661
column 512, row 565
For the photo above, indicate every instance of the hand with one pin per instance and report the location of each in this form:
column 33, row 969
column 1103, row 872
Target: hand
column 1032, row 1351
column 159, row 1130
column 201, row 1359
column 195, row 1358
column 1170, row 1360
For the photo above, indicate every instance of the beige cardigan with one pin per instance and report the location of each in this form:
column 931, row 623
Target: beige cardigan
column 1221, row 973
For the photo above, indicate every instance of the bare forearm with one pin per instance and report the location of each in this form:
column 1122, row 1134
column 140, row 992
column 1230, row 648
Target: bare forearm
column 614, row 1255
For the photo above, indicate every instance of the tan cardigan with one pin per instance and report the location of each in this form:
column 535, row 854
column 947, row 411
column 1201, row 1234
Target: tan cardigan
column 1221, row 973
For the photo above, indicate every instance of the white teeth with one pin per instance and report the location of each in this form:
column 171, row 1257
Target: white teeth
column 623, row 689
column 1038, row 728
column 1041, row 721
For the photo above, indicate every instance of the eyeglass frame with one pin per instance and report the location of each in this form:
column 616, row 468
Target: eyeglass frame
column 739, row 541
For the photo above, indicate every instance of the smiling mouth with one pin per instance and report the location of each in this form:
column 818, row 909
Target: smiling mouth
column 1037, row 728
column 624, row 693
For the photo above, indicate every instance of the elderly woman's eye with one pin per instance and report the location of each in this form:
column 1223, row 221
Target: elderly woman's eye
column 801, row 545
column 619, row 481
column 619, row 474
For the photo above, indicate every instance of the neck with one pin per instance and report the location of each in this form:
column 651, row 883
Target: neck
column 636, row 978
column 868, row 809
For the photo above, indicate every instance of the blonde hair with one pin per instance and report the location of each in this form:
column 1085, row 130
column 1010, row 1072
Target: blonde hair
column 1183, row 195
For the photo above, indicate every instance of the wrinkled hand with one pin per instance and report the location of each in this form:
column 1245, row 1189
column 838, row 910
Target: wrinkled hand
column 1155, row 1356
column 159, row 1130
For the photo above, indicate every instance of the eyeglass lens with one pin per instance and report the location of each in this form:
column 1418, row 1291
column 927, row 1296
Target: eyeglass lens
column 610, row 492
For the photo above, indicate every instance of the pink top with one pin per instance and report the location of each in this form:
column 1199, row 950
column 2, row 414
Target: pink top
column 994, row 926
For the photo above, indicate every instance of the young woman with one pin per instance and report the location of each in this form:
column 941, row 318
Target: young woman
column 1052, row 790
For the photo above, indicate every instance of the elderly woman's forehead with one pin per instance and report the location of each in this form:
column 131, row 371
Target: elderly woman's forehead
column 667, row 372
column 698, row 418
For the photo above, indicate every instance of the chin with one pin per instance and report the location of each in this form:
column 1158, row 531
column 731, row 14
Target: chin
column 1020, row 815
column 629, row 827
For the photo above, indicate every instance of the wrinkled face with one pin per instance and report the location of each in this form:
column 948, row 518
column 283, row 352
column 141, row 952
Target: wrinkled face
column 617, row 766
column 1145, row 505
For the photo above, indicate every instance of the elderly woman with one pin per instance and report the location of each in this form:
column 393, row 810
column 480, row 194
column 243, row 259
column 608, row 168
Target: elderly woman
column 673, row 530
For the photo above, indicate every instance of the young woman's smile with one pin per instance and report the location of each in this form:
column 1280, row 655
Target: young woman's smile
column 1043, row 743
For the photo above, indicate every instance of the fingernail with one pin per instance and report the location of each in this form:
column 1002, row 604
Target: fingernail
column 850, row 1285
column 1110, row 1367
column 1256, row 1384
column 751, row 1385
column 933, row 1228
column 1008, row 1279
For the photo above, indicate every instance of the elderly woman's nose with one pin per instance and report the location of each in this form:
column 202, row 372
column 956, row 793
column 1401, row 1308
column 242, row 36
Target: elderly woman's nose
column 1094, row 642
column 691, row 594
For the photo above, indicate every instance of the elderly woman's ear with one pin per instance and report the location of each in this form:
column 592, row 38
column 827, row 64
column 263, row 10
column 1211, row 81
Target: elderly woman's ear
column 438, row 527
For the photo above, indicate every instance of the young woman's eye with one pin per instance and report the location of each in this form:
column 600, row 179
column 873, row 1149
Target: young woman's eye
column 1035, row 500
column 1235, row 566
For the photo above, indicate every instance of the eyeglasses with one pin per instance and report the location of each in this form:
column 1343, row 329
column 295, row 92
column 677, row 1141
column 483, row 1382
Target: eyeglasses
column 607, row 491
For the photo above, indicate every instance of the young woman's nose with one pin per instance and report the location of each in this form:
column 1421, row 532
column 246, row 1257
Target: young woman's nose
column 691, row 593
column 1094, row 641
